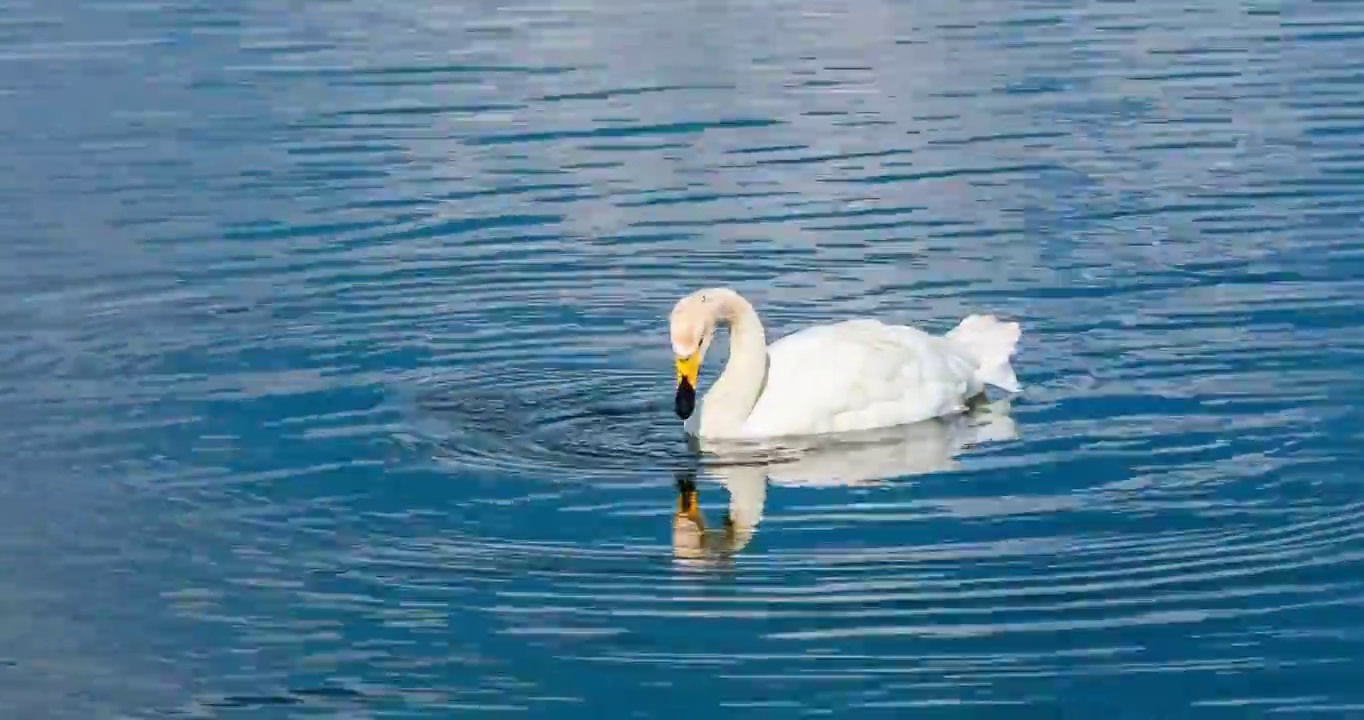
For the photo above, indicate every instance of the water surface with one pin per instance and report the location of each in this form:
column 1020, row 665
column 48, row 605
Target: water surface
column 335, row 381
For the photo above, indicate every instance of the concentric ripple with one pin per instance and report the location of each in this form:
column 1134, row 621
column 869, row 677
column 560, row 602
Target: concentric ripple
column 334, row 371
column 537, row 423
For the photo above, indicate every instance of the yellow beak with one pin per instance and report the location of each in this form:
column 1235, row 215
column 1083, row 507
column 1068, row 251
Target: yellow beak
column 688, row 368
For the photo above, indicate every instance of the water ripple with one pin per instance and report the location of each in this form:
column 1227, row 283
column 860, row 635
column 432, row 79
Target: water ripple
column 335, row 377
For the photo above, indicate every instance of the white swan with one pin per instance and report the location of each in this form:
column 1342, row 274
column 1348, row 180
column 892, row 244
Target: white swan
column 851, row 375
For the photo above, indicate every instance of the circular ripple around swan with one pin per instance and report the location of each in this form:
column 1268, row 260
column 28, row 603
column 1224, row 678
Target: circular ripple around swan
column 548, row 424
column 989, row 614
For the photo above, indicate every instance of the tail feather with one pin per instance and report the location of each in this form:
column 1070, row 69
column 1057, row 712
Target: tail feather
column 992, row 341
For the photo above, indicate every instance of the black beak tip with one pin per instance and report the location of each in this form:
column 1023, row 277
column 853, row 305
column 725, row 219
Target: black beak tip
column 685, row 401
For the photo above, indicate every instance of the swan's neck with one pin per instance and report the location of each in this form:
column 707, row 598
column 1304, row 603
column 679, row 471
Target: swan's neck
column 736, row 391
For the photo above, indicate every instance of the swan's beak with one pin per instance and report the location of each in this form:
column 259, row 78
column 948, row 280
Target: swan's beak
column 687, row 369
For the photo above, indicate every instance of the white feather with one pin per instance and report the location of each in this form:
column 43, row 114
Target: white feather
column 852, row 375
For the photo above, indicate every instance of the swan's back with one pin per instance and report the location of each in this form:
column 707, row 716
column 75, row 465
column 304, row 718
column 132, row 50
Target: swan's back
column 857, row 375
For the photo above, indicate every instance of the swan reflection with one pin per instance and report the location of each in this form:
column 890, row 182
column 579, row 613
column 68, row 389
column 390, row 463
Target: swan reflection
column 746, row 469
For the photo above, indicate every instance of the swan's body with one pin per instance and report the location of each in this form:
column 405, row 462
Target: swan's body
column 852, row 375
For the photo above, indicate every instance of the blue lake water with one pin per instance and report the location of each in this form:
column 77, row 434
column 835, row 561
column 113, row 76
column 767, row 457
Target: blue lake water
column 335, row 378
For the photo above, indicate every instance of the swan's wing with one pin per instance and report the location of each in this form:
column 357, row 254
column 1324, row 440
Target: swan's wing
column 860, row 374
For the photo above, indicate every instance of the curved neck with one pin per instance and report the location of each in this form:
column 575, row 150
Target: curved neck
column 734, row 394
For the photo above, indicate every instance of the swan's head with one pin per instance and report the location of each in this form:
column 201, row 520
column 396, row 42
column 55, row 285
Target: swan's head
column 691, row 328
